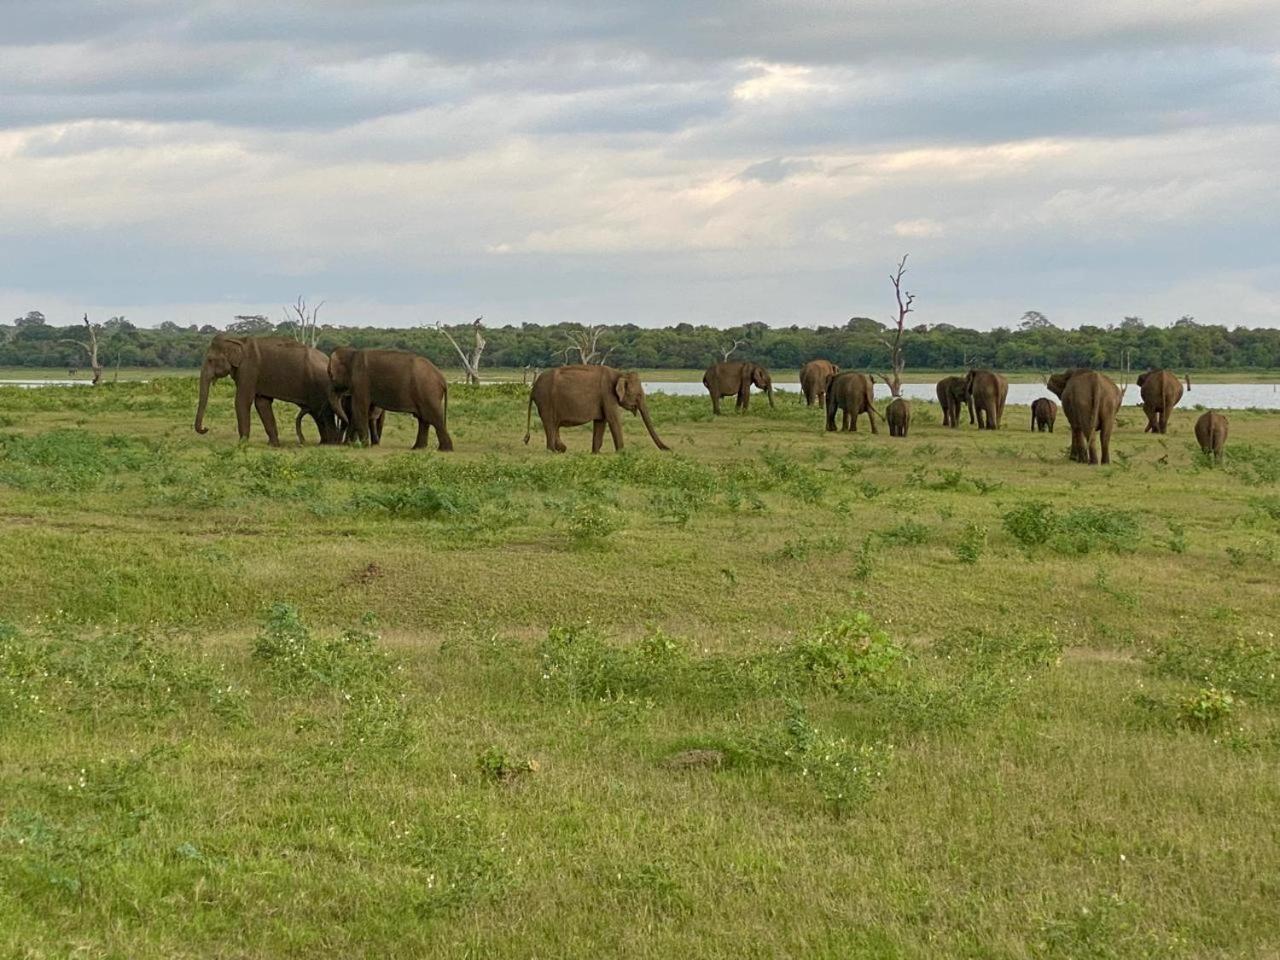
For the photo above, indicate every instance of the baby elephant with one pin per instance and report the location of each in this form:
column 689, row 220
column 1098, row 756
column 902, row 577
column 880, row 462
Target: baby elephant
column 1043, row 413
column 1211, row 434
column 898, row 416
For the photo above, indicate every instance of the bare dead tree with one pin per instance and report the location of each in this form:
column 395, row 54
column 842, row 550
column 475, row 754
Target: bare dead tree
column 585, row 341
column 905, row 299
column 303, row 319
column 731, row 350
column 529, row 372
column 90, row 348
column 471, row 363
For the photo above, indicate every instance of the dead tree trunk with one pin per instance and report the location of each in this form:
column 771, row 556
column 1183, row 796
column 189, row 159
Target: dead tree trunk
column 905, row 299
column 90, row 349
column 470, row 364
column 306, row 330
column 733, row 349
column 586, row 343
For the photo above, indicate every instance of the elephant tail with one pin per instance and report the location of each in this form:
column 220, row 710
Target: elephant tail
column 528, row 419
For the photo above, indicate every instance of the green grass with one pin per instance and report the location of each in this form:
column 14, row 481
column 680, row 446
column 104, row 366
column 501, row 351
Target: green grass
column 778, row 693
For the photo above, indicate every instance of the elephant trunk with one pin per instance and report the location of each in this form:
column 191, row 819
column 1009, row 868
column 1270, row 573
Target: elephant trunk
column 648, row 425
column 769, row 392
column 206, row 378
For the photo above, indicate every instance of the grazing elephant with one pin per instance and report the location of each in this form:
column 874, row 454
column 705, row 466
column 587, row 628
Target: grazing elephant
column 345, row 434
column 1161, row 392
column 266, row 369
column 953, row 393
column 813, row 381
column 736, row 377
column 852, row 393
column 1043, row 414
column 394, row 380
column 573, row 395
column 987, row 392
column 1211, row 434
column 898, row 416
column 1090, row 402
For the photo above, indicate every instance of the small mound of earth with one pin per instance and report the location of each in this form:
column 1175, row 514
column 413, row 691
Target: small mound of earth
column 368, row 574
column 695, row 759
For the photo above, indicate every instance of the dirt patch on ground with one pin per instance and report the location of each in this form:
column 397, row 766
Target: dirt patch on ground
column 366, row 574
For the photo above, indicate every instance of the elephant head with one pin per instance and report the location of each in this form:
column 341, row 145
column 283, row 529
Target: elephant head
column 630, row 394
column 1142, row 377
column 222, row 359
column 340, row 363
column 761, row 379
column 1058, row 382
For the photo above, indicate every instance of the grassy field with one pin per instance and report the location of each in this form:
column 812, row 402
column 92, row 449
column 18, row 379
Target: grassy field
column 778, row 693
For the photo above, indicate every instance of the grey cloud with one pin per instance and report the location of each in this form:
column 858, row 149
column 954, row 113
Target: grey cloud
column 776, row 170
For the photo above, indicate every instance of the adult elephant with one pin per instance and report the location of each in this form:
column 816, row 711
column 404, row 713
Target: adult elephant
column 852, row 393
column 987, row 392
column 1161, row 391
column 266, row 369
column 587, row 393
column 394, row 380
column 813, row 381
column 736, row 377
column 1090, row 402
column 953, row 393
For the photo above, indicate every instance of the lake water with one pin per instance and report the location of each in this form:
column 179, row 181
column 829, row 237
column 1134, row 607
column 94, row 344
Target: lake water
column 1219, row 396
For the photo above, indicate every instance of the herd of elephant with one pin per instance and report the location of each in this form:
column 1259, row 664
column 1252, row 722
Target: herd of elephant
column 349, row 392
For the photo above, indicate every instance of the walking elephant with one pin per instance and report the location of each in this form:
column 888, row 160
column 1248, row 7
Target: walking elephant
column 987, row 392
column 736, row 377
column 266, row 369
column 813, row 381
column 1211, row 434
column 1161, row 391
column 953, row 393
column 393, row 380
column 1044, row 413
column 1090, row 402
column 898, row 416
column 851, row 393
column 573, row 395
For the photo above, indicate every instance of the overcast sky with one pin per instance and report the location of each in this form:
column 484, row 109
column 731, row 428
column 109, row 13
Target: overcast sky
column 648, row 162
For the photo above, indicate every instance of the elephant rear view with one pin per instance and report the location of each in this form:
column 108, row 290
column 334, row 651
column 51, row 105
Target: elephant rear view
column 1161, row 392
column 987, row 392
column 813, row 381
column 394, row 380
column 953, row 393
column 1090, row 402
column 1211, row 434
column 587, row 393
column 266, row 369
column 852, row 393
column 736, row 377
column 898, row 415
column 1044, row 413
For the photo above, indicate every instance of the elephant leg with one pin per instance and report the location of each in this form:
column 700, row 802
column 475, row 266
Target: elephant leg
column 244, row 400
column 871, row 419
column 1105, row 430
column 268, row 418
column 424, row 433
column 434, row 415
column 744, row 398
column 715, row 403
column 615, row 431
column 597, row 435
column 849, row 421
column 360, row 416
column 553, row 435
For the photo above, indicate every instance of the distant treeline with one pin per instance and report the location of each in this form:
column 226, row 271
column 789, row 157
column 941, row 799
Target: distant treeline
column 31, row 341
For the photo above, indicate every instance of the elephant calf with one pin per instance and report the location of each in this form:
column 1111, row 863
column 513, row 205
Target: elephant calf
column 1211, row 434
column 587, row 393
column 1044, row 412
column 898, row 416
column 953, row 394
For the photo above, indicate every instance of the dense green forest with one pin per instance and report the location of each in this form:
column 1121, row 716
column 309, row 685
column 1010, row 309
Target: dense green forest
column 31, row 341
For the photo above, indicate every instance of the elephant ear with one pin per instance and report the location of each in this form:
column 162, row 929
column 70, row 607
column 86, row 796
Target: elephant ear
column 1142, row 378
column 620, row 389
column 233, row 348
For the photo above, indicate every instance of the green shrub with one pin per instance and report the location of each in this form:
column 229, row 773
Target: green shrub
column 971, row 544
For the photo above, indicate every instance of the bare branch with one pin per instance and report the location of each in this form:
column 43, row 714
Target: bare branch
column 90, row 349
column 729, row 352
column 470, row 364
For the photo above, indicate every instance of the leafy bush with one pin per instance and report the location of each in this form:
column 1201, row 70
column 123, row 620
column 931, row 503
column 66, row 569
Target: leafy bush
column 971, row 544
column 846, row 652
column 1079, row 530
column 907, row 533
column 1206, row 708
column 1249, row 667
